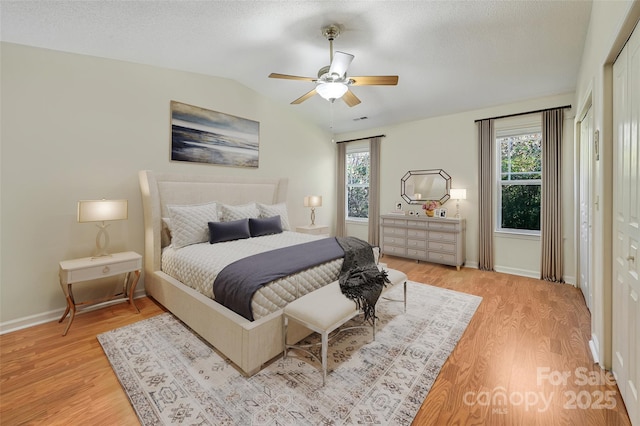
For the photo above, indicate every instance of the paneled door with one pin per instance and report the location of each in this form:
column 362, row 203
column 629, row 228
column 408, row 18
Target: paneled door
column 626, row 210
column 585, row 188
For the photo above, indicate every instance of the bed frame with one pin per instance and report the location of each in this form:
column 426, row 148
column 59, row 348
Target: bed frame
column 248, row 344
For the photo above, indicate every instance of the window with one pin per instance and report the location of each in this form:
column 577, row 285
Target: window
column 519, row 180
column 357, row 191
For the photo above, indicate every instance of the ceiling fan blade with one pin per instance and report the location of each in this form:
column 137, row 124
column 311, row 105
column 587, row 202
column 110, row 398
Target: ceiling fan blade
column 340, row 63
column 375, row 80
column 304, row 97
column 291, row 77
column 350, row 99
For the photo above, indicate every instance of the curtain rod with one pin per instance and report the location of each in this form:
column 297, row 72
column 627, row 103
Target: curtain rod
column 361, row 139
column 522, row 113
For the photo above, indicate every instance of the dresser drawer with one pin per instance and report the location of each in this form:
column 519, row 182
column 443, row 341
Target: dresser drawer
column 394, row 231
column 416, row 233
column 389, row 239
column 445, row 226
column 398, row 251
column 441, row 246
column 433, row 256
column 417, row 244
column 416, row 223
column 401, row 222
column 442, row 236
column 100, row 271
column 417, row 254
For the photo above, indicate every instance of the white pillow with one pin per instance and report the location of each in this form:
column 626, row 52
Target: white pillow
column 270, row 210
column 190, row 224
column 245, row 211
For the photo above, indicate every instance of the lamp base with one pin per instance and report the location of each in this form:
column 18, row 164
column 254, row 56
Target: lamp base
column 102, row 241
column 313, row 216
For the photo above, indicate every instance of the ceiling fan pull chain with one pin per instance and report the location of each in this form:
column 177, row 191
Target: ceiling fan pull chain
column 331, row 115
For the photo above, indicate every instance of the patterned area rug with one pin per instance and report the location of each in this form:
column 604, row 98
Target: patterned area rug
column 171, row 376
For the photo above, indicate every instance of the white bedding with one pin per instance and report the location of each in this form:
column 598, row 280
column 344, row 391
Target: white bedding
column 198, row 265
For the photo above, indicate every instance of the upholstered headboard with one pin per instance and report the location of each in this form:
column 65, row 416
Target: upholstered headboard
column 161, row 189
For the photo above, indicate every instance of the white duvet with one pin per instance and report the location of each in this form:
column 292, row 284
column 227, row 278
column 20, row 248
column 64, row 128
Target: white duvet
column 198, row 265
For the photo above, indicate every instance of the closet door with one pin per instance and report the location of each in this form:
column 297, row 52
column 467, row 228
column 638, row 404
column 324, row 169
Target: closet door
column 626, row 252
column 586, row 215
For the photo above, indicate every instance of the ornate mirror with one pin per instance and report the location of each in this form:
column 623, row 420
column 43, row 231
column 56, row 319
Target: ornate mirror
column 420, row 186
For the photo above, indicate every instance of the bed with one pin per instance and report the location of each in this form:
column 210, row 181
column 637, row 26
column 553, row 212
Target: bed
column 248, row 344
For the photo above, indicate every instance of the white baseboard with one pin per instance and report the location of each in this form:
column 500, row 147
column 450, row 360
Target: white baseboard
column 517, row 271
column 571, row 280
column 37, row 319
column 594, row 352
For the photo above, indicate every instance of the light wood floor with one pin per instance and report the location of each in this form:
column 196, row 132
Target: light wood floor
column 524, row 337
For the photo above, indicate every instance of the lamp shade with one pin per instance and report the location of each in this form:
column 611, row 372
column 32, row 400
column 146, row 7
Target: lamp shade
column 102, row 210
column 331, row 91
column 458, row 194
column 313, row 201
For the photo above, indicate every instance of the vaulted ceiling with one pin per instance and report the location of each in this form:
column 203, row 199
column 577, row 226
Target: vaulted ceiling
column 451, row 56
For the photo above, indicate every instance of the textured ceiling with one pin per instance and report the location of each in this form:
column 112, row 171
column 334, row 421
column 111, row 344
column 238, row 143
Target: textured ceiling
column 451, row 56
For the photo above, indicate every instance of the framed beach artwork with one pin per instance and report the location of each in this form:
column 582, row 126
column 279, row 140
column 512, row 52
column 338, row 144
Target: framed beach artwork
column 200, row 135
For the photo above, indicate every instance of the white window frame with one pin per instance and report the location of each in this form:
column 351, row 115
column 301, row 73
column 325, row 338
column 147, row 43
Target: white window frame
column 515, row 126
column 354, row 148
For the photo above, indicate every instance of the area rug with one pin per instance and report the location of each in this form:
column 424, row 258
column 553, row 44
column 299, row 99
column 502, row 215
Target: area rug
column 172, row 376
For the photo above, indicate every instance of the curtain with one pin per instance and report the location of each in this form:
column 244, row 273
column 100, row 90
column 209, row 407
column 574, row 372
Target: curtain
column 342, row 183
column 485, row 194
column 551, row 200
column 374, row 191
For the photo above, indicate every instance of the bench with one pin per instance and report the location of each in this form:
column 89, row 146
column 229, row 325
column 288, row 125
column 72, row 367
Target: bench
column 326, row 309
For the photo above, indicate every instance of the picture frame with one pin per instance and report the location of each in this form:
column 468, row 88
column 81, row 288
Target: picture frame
column 442, row 213
column 199, row 135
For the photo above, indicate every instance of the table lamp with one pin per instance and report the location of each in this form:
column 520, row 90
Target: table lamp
column 102, row 211
column 313, row 201
column 458, row 194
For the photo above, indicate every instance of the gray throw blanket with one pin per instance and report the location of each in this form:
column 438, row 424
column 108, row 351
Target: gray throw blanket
column 360, row 279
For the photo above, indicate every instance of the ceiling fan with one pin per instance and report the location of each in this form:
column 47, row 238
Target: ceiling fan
column 332, row 82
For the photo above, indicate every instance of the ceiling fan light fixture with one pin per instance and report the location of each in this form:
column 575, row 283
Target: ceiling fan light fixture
column 332, row 91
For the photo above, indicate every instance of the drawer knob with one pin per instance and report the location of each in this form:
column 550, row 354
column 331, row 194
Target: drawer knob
column 106, row 270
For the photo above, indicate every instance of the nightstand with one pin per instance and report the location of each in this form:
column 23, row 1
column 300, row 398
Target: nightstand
column 92, row 268
column 313, row 229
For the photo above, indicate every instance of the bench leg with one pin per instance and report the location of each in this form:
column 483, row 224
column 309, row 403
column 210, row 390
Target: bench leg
column 285, row 324
column 325, row 344
column 405, row 297
column 374, row 327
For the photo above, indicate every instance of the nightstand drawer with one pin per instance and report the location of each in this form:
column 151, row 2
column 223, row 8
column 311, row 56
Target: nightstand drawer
column 313, row 230
column 100, row 271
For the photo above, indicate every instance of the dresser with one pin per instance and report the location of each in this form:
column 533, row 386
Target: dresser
column 437, row 240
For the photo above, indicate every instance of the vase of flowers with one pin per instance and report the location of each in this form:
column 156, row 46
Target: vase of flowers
column 430, row 206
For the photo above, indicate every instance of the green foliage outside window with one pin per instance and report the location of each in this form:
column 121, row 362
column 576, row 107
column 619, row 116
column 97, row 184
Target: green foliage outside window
column 520, row 181
column 521, row 207
column 358, row 185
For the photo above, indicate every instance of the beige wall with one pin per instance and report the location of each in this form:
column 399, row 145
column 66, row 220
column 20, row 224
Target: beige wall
column 611, row 24
column 450, row 143
column 76, row 127
column 79, row 127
